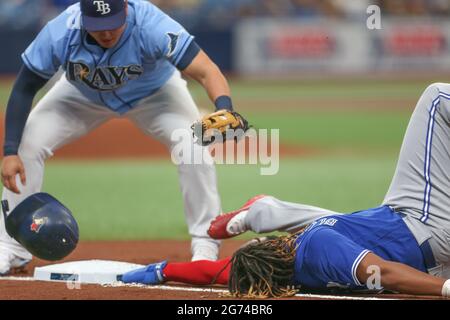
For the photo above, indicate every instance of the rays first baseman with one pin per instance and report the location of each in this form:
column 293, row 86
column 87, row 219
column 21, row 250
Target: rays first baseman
column 120, row 59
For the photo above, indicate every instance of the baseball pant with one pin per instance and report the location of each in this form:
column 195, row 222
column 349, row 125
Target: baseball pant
column 421, row 183
column 270, row 214
column 64, row 115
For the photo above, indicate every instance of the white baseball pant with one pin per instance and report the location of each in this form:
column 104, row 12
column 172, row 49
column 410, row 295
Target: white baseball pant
column 64, row 114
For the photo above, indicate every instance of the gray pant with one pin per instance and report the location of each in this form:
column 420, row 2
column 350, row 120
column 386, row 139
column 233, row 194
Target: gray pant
column 270, row 214
column 421, row 184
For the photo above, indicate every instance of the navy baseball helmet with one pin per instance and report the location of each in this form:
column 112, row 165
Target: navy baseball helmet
column 43, row 225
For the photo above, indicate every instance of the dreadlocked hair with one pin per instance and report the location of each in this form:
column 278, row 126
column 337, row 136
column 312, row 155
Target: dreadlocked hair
column 264, row 269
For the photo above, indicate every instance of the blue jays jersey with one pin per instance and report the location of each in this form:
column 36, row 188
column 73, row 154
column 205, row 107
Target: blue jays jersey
column 331, row 248
column 137, row 66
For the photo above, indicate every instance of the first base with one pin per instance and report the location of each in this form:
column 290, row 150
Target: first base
column 89, row 271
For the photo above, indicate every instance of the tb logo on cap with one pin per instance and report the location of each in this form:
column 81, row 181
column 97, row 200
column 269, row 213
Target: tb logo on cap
column 102, row 7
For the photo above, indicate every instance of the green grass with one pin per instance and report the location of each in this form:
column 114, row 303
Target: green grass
column 357, row 129
column 319, row 89
column 141, row 200
column 244, row 92
column 354, row 127
column 357, row 140
column 337, row 129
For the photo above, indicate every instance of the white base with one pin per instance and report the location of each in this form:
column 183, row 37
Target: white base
column 89, row 271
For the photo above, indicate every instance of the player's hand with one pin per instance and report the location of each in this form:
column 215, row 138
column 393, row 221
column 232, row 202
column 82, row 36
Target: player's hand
column 221, row 123
column 11, row 167
column 151, row 274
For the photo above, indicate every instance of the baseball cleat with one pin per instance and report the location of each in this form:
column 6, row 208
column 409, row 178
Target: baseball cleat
column 231, row 224
column 151, row 274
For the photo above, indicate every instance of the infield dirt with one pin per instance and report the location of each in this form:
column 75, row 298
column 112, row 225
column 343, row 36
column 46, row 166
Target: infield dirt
column 142, row 252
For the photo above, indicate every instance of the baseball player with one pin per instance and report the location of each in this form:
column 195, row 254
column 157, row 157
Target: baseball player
column 406, row 240
column 367, row 250
column 120, row 59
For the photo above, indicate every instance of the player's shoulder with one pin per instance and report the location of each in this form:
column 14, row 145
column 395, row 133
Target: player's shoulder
column 65, row 23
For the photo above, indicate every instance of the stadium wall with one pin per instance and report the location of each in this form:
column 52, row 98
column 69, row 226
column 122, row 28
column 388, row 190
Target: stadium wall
column 271, row 47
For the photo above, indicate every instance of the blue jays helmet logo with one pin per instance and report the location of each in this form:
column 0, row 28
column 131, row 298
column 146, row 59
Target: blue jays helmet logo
column 37, row 224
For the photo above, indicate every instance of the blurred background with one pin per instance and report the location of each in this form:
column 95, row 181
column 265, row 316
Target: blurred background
column 275, row 36
column 340, row 94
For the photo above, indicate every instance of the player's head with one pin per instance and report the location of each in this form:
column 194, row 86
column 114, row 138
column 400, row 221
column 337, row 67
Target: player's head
column 105, row 20
column 264, row 269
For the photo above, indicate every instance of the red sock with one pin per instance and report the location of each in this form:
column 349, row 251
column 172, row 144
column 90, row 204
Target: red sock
column 200, row 272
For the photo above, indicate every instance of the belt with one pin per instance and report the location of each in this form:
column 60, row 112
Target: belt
column 428, row 255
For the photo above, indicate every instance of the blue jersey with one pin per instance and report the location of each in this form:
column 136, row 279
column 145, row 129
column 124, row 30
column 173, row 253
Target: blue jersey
column 137, row 66
column 331, row 248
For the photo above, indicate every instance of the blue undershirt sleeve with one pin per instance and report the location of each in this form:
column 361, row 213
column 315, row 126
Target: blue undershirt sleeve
column 191, row 52
column 24, row 90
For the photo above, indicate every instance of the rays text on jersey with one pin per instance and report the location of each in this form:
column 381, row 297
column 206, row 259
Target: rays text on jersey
column 105, row 78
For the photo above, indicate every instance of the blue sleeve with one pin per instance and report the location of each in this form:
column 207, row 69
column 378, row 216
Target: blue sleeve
column 165, row 38
column 189, row 55
column 19, row 105
column 333, row 257
column 39, row 56
column 46, row 53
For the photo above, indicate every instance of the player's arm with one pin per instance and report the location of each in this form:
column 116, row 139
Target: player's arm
column 402, row 278
column 18, row 109
column 166, row 38
column 336, row 258
column 201, row 272
column 207, row 73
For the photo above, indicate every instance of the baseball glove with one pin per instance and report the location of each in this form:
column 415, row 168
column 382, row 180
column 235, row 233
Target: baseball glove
column 221, row 125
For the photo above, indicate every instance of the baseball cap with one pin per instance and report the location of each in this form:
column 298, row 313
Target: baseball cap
column 101, row 15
